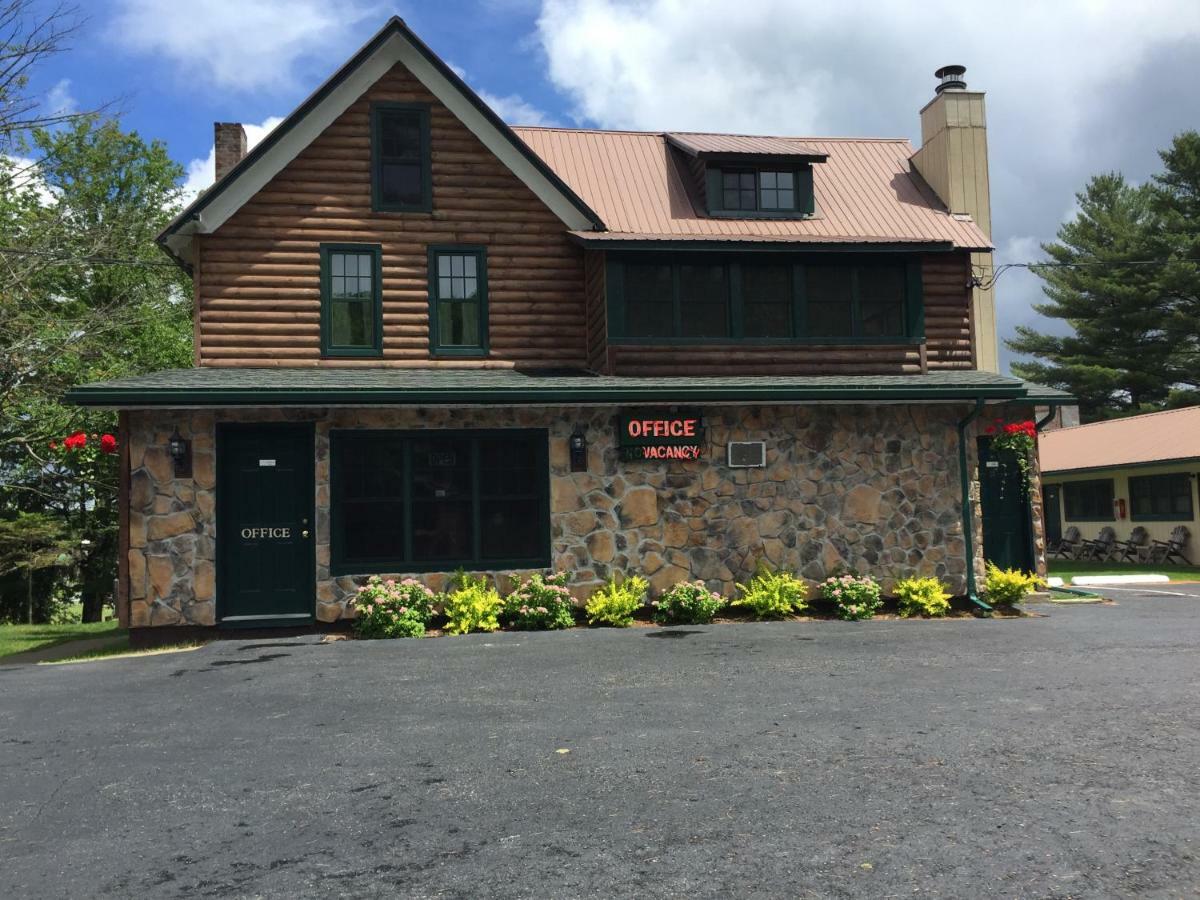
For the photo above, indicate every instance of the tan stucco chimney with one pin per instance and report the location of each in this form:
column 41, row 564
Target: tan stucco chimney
column 229, row 138
column 953, row 159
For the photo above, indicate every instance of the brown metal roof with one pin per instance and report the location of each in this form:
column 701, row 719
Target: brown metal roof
column 866, row 192
column 1154, row 437
column 730, row 144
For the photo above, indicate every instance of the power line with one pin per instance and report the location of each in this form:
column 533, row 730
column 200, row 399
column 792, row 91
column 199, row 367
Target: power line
column 978, row 280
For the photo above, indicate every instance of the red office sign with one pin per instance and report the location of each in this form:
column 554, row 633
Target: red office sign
column 643, row 434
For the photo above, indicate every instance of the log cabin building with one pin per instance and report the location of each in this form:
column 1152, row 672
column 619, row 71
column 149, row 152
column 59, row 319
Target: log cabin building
column 426, row 341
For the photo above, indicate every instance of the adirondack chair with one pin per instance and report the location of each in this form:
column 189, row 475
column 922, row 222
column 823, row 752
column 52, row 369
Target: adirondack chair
column 1101, row 548
column 1068, row 546
column 1136, row 549
column 1171, row 550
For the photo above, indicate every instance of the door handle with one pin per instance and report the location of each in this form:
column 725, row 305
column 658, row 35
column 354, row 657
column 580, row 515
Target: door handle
column 304, row 533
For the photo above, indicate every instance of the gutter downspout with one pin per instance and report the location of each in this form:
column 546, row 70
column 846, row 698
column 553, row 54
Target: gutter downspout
column 968, row 517
column 1045, row 420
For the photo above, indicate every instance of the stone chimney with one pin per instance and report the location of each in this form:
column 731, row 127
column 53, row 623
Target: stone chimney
column 230, row 140
column 953, row 160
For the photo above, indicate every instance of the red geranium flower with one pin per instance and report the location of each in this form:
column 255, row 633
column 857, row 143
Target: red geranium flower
column 108, row 443
column 54, row 445
column 77, row 441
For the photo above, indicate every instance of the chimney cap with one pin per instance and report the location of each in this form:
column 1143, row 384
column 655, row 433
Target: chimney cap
column 950, row 78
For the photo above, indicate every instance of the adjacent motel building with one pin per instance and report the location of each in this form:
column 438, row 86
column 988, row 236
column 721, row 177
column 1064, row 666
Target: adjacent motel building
column 426, row 340
column 1139, row 471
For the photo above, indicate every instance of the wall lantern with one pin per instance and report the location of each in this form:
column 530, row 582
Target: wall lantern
column 180, row 450
column 577, row 444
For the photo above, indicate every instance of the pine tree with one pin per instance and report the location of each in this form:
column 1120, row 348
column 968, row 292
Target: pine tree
column 1126, row 283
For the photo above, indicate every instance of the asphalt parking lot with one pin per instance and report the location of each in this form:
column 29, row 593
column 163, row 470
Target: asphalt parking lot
column 1039, row 757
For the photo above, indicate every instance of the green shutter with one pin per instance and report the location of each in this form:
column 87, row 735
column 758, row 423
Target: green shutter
column 805, row 202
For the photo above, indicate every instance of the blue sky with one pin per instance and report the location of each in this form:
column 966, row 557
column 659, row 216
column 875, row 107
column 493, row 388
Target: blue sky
column 1075, row 87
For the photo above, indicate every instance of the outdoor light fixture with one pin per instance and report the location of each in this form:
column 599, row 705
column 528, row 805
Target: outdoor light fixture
column 180, row 450
column 577, row 444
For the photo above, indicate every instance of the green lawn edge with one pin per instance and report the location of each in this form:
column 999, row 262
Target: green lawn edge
column 20, row 638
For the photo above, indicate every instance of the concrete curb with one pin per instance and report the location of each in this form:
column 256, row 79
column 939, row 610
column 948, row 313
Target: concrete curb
column 1096, row 580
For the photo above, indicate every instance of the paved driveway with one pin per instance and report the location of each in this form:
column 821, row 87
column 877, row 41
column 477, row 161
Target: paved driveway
column 1048, row 757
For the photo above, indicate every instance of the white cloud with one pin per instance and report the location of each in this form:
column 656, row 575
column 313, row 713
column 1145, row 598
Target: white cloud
column 246, row 45
column 26, row 172
column 515, row 110
column 1075, row 87
column 202, row 171
column 60, row 101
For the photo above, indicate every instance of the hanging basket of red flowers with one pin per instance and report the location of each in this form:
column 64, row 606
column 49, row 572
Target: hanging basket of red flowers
column 1014, row 443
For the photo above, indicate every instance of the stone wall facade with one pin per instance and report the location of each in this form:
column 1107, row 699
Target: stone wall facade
column 875, row 488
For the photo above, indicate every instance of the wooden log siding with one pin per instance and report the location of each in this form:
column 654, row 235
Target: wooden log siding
column 947, row 330
column 257, row 277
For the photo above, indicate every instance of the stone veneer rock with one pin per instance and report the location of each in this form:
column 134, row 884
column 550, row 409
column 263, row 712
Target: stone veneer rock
column 870, row 487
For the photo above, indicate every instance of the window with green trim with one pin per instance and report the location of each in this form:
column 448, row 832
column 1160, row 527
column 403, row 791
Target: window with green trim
column 437, row 500
column 760, row 192
column 1161, row 498
column 458, row 300
column 765, row 298
column 351, row 317
column 1088, row 501
column 401, row 179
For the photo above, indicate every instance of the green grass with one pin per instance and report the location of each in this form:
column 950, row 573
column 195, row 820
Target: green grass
column 19, row 638
column 1066, row 569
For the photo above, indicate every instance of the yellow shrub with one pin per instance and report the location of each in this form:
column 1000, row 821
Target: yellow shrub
column 1004, row 587
column 616, row 602
column 472, row 606
column 922, row 597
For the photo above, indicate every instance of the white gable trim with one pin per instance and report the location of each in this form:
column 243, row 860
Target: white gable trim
column 289, row 145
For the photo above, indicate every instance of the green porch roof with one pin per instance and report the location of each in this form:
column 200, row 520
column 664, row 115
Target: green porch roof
column 220, row 386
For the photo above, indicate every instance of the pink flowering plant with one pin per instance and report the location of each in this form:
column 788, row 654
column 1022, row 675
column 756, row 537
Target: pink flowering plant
column 539, row 603
column 853, row 597
column 389, row 609
column 686, row 603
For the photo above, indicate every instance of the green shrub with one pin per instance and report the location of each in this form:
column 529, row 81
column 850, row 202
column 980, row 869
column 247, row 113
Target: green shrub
column 854, row 597
column 922, row 597
column 473, row 605
column 772, row 595
column 616, row 602
column 387, row 609
column 1004, row 587
column 687, row 603
column 539, row 602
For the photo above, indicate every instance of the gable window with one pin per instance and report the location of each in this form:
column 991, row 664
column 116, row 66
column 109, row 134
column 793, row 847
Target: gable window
column 400, row 158
column 458, row 300
column 764, row 298
column 351, row 314
column 428, row 501
column 1089, row 501
column 1162, row 498
column 754, row 193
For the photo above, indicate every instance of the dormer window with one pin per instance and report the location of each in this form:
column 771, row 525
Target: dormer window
column 747, row 177
column 750, row 190
column 769, row 192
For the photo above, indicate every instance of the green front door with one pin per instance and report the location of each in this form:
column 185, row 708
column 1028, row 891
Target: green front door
column 266, row 564
column 1004, row 504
